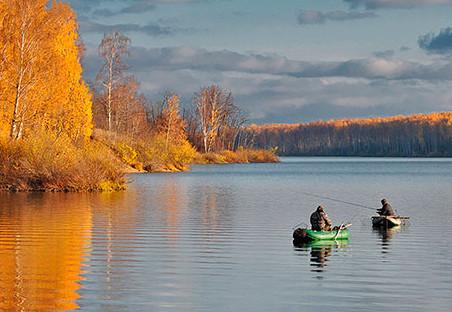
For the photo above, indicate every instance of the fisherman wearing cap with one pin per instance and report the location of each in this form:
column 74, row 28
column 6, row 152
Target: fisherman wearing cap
column 386, row 210
column 320, row 220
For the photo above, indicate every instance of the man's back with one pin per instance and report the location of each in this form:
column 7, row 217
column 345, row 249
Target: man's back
column 387, row 210
column 319, row 220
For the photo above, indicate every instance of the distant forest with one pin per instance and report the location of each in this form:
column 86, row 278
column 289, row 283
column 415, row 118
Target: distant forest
column 416, row 135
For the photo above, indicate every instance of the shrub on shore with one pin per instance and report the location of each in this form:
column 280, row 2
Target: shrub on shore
column 51, row 163
column 240, row 156
column 155, row 154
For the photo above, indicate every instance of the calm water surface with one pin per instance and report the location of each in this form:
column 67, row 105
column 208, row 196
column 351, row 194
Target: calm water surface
column 219, row 239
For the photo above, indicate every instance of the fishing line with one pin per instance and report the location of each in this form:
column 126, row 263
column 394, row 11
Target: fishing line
column 338, row 200
column 335, row 200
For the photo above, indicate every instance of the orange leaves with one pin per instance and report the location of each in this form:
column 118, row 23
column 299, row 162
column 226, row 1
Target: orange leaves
column 42, row 78
column 127, row 108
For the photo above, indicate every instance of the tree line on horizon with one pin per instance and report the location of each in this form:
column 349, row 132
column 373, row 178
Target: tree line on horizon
column 415, row 135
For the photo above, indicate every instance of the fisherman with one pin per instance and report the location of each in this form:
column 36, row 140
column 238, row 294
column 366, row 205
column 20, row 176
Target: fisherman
column 320, row 220
column 386, row 210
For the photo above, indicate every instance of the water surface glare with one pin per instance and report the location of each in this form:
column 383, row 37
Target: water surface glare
column 218, row 238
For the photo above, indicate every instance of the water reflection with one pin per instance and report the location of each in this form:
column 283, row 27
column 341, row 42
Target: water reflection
column 214, row 203
column 42, row 249
column 172, row 205
column 115, row 240
column 212, row 207
column 386, row 235
column 320, row 252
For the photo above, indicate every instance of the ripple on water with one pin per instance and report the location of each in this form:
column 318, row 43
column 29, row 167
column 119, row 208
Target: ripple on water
column 219, row 239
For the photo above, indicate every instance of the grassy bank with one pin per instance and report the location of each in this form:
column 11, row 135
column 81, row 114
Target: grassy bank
column 50, row 163
column 56, row 164
column 241, row 156
column 153, row 154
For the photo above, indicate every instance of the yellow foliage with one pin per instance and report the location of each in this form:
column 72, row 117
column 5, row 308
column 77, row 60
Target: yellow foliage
column 150, row 154
column 55, row 163
column 210, row 158
column 127, row 153
column 259, row 155
column 240, row 156
column 172, row 157
column 40, row 74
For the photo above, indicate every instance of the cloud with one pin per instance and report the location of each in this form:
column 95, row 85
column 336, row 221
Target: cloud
column 306, row 17
column 273, row 88
column 186, row 58
column 440, row 44
column 139, row 7
column 151, row 29
column 286, row 99
column 134, row 8
column 282, row 99
column 384, row 54
column 400, row 4
column 122, row 6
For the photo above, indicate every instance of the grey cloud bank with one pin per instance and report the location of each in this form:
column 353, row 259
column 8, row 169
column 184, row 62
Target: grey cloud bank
column 306, row 17
column 273, row 88
column 123, row 6
column 186, row 58
column 151, row 29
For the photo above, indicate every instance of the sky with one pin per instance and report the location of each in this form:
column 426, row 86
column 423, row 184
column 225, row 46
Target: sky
column 285, row 61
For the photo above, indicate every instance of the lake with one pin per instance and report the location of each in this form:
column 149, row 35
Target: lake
column 219, row 238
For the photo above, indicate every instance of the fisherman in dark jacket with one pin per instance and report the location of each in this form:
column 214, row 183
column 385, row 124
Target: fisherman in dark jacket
column 320, row 220
column 386, row 210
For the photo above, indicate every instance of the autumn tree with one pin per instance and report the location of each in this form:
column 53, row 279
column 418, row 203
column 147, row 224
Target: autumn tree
column 216, row 119
column 210, row 104
column 112, row 49
column 3, row 47
column 40, row 77
column 170, row 123
column 27, row 31
column 167, row 146
column 128, row 108
column 71, row 103
column 232, row 133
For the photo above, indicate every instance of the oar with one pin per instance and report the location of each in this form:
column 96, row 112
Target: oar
column 342, row 227
column 338, row 231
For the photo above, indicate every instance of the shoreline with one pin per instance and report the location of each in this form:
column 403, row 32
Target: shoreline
column 243, row 156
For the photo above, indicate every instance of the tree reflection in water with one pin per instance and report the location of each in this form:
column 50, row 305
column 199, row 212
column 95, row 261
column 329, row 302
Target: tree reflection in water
column 44, row 240
column 48, row 243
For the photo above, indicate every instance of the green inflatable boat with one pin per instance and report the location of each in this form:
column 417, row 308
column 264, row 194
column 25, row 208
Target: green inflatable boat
column 305, row 235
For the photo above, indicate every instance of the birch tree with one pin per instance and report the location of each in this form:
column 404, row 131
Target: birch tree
column 3, row 47
column 173, row 125
column 40, row 73
column 112, row 49
column 26, row 30
column 209, row 106
column 217, row 119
